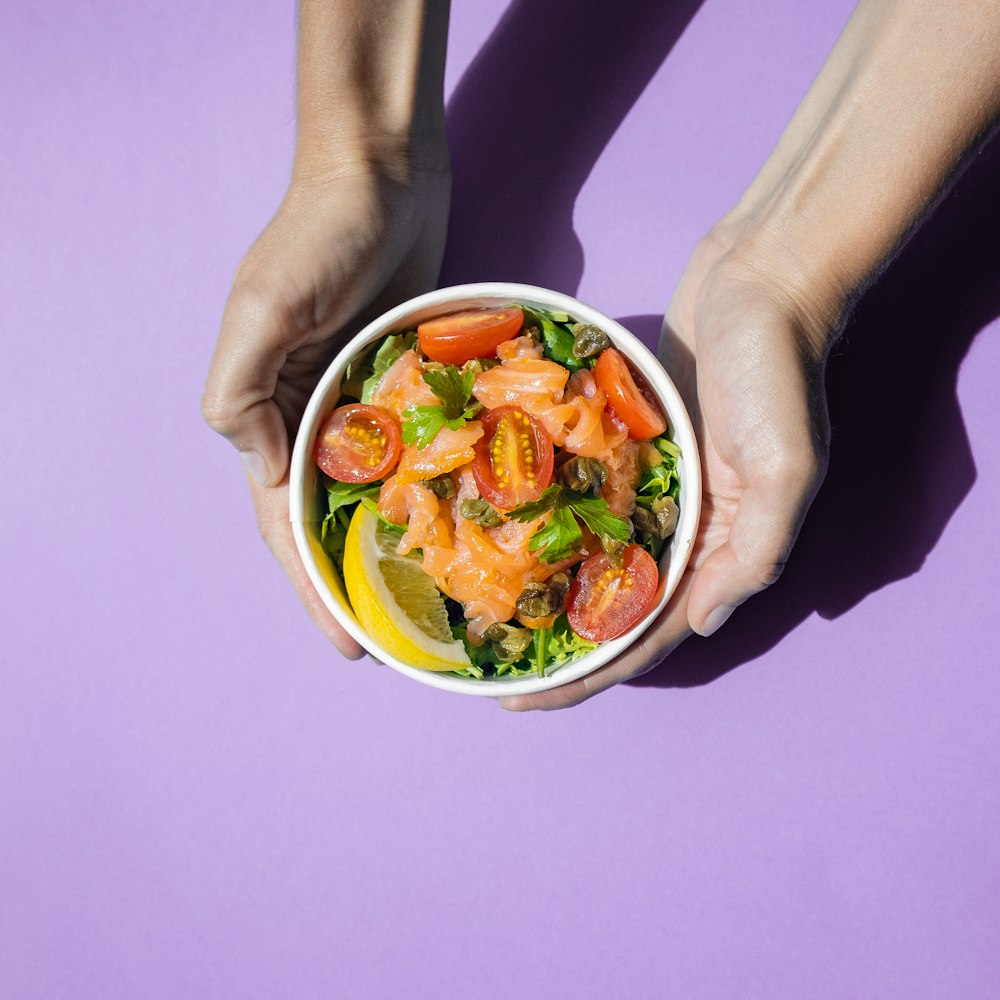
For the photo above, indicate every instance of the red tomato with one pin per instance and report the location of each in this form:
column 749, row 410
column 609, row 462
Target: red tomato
column 513, row 462
column 475, row 333
column 605, row 602
column 629, row 396
column 358, row 444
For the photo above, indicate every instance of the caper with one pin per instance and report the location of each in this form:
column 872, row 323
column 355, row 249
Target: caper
column 480, row 365
column 559, row 584
column 661, row 521
column 644, row 520
column 509, row 641
column 667, row 513
column 534, row 600
column 442, row 487
column 585, row 475
column 588, row 340
column 614, row 550
column 481, row 512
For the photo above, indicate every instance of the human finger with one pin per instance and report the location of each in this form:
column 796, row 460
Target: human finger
column 271, row 504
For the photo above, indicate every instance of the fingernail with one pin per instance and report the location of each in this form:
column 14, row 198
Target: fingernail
column 255, row 466
column 716, row 618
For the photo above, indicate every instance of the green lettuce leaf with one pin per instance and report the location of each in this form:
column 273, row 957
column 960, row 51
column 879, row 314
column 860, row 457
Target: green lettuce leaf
column 390, row 351
column 557, row 340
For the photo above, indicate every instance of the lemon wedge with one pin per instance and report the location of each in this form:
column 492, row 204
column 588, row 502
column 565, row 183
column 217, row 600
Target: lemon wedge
column 394, row 600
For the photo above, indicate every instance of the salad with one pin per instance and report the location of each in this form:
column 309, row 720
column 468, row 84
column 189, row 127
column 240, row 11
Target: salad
column 523, row 463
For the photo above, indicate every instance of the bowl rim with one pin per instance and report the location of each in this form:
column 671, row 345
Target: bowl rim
column 493, row 293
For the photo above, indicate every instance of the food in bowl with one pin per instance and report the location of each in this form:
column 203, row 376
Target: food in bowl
column 499, row 486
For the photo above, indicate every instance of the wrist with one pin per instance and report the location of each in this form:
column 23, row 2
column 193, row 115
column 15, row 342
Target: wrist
column 908, row 90
column 370, row 87
column 779, row 263
column 337, row 149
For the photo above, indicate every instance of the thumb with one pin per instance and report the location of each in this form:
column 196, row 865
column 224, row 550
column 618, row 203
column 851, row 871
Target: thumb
column 256, row 338
column 766, row 523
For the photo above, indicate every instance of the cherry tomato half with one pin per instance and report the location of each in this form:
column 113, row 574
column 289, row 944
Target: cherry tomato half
column 358, row 444
column 513, row 462
column 629, row 396
column 474, row 333
column 605, row 602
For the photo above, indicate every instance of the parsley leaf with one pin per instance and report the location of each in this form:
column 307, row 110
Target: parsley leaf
column 561, row 536
column 596, row 515
column 454, row 388
column 535, row 508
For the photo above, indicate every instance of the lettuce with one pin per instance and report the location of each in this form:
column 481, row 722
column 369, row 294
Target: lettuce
column 389, row 352
column 341, row 499
column 557, row 340
column 550, row 648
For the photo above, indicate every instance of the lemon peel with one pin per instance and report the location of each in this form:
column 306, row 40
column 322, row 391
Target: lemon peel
column 394, row 600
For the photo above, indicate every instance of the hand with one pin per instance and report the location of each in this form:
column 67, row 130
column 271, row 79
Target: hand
column 909, row 89
column 746, row 352
column 342, row 248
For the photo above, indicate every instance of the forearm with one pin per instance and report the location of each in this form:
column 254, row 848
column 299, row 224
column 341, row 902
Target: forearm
column 370, row 85
column 908, row 90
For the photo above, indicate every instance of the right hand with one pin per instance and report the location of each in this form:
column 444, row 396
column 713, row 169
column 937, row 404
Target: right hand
column 343, row 247
column 747, row 349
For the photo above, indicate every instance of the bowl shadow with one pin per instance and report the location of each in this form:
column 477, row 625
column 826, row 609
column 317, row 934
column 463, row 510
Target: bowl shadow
column 900, row 462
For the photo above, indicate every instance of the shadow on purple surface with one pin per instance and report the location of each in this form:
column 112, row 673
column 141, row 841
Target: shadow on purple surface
column 900, row 458
column 528, row 121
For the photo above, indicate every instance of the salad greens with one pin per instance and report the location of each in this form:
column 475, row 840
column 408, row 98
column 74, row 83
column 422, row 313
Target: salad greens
column 518, row 651
column 557, row 338
column 454, row 388
column 341, row 500
column 562, row 536
column 550, row 647
column 655, row 485
column 389, row 351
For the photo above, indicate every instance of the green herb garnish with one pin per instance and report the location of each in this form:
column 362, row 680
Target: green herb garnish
column 561, row 535
column 454, row 388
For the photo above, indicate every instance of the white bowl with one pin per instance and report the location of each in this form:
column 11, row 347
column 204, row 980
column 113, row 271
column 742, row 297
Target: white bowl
column 307, row 510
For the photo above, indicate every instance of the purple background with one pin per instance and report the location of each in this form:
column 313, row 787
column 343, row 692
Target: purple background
column 198, row 798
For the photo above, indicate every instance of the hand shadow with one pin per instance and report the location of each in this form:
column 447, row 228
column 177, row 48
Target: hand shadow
column 900, row 462
column 528, row 121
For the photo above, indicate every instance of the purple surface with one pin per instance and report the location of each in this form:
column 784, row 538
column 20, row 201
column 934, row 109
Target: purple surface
column 199, row 799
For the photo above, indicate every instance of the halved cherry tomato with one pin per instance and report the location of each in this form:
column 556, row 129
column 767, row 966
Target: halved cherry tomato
column 629, row 396
column 358, row 443
column 605, row 602
column 513, row 462
column 474, row 333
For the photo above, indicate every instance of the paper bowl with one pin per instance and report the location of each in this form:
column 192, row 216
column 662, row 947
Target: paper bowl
column 307, row 510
